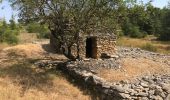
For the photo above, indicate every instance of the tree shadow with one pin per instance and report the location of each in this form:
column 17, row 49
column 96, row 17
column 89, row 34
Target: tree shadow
column 48, row 48
column 24, row 75
column 80, row 84
column 28, row 78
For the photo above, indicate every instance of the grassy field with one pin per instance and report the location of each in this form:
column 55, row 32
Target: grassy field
column 21, row 79
column 149, row 43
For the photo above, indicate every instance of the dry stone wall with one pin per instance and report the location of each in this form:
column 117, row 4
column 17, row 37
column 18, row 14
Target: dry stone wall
column 147, row 88
column 105, row 46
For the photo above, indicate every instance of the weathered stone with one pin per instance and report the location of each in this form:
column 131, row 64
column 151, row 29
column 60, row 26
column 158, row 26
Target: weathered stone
column 168, row 97
column 125, row 96
column 118, row 88
column 144, row 85
column 157, row 98
column 144, row 98
column 142, row 94
column 166, row 87
column 151, row 92
column 158, row 91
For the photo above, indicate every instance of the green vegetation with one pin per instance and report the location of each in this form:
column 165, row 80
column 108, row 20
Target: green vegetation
column 122, row 17
column 9, row 32
column 148, row 43
column 149, row 47
column 41, row 30
column 145, row 19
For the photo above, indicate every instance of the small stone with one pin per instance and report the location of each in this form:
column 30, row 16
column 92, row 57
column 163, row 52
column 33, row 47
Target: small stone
column 142, row 94
column 168, row 97
column 144, row 85
column 144, row 98
column 151, row 92
column 166, row 88
column 118, row 88
column 158, row 91
column 157, row 98
column 125, row 96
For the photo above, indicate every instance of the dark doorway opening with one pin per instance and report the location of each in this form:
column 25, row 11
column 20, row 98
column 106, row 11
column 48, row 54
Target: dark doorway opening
column 91, row 47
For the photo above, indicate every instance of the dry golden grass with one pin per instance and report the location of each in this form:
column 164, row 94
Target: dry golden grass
column 20, row 79
column 27, row 37
column 133, row 68
column 3, row 45
column 162, row 47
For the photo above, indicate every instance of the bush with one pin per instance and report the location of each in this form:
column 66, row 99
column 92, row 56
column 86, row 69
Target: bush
column 133, row 31
column 9, row 32
column 165, row 36
column 41, row 30
column 10, row 37
column 149, row 47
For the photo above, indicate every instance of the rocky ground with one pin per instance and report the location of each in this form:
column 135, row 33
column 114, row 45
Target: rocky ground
column 136, row 73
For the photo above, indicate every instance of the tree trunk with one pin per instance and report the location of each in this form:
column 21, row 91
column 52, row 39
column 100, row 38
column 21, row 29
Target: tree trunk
column 66, row 50
column 78, row 47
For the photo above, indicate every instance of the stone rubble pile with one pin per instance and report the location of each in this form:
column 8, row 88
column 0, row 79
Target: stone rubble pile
column 124, row 52
column 155, row 87
column 145, row 88
column 96, row 64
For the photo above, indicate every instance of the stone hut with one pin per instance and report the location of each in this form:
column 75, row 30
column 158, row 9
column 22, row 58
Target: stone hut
column 93, row 46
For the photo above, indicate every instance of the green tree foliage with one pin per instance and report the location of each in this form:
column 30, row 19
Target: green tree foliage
column 165, row 35
column 142, row 19
column 42, row 31
column 12, row 24
column 66, row 19
column 7, row 34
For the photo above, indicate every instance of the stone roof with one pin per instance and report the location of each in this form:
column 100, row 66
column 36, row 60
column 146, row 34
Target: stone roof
column 100, row 35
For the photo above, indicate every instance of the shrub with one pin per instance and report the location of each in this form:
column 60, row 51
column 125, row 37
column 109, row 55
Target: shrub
column 10, row 37
column 9, row 32
column 133, row 31
column 149, row 47
column 165, row 36
column 41, row 30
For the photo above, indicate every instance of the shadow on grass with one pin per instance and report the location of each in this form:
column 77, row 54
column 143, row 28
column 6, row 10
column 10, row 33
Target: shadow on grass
column 25, row 76
column 48, row 48
column 80, row 84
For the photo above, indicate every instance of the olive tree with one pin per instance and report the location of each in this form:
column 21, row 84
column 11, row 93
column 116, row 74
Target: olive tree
column 66, row 19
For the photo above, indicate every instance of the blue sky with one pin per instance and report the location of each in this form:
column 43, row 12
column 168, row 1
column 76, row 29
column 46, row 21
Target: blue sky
column 6, row 11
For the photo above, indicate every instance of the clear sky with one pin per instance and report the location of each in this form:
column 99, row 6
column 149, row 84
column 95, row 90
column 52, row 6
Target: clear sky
column 6, row 11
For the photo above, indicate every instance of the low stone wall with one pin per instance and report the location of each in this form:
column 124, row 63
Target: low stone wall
column 147, row 88
column 105, row 90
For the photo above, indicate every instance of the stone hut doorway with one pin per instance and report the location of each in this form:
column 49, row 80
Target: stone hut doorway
column 91, row 47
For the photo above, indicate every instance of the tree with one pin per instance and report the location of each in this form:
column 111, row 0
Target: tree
column 4, row 24
column 68, row 18
column 165, row 33
column 12, row 23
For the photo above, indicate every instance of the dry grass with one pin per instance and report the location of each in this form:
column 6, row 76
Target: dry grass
column 27, row 37
column 3, row 45
column 20, row 79
column 133, row 68
column 161, row 47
